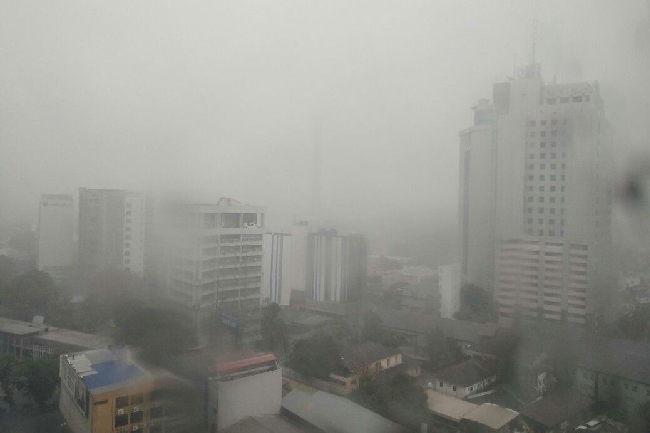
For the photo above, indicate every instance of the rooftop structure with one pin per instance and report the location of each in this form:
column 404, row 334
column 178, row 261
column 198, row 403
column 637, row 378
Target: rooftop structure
column 333, row 414
column 417, row 323
column 359, row 356
column 367, row 359
column 464, row 378
column 267, row 424
column 24, row 339
column 447, row 407
column 556, row 408
column 490, row 415
column 621, row 358
column 241, row 386
column 104, row 390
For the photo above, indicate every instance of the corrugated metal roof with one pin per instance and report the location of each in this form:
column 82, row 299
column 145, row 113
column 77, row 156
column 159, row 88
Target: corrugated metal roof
column 333, row 414
column 448, row 407
column 491, row 415
column 465, row 373
column 265, row 424
column 243, row 364
column 424, row 324
column 627, row 359
column 357, row 357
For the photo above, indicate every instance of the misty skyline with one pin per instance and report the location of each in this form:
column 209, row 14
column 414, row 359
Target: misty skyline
column 210, row 100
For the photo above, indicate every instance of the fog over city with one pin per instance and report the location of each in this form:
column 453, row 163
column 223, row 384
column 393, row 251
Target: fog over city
column 210, row 99
column 301, row 216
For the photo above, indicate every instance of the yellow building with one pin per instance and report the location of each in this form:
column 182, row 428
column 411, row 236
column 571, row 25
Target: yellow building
column 368, row 361
column 103, row 391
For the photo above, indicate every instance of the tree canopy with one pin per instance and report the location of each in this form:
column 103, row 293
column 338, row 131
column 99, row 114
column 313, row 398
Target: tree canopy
column 316, row 356
column 273, row 328
column 476, row 305
column 373, row 330
column 440, row 350
column 399, row 399
column 28, row 294
column 38, row 378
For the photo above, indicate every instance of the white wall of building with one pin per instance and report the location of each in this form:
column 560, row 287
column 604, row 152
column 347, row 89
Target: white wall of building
column 299, row 247
column 276, row 282
column 233, row 400
column 477, row 204
column 449, row 281
column 134, row 233
column 55, row 232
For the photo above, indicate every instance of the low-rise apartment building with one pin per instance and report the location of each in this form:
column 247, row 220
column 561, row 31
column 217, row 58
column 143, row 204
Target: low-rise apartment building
column 105, row 391
column 30, row 340
column 609, row 369
column 363, row 362
column 464, row 378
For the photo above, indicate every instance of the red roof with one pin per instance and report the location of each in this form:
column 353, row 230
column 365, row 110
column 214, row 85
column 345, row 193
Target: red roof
column 244, row 364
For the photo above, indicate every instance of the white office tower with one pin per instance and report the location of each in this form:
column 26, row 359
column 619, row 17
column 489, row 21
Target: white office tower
column 535, row 200
column 216, row 265
column 336, row 266
column 56, row 236
column 276, row 282
column 449, row 283
column 299, row 246
column 113, row 229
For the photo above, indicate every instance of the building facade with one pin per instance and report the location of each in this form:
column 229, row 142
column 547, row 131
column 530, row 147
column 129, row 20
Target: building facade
column 464, row 378
column 216, row 268
column 449, row 283
column 336, row 266
column 56, row 253
column 299, row 247
column 101, row 391
column 248, row 386
column 276, row 284
column 536, row 168
column 113, row 228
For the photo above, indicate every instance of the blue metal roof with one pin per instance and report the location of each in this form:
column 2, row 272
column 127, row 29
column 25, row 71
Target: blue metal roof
column 110, row 373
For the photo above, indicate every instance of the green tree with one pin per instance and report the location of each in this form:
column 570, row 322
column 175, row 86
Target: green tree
column 316, row 356
column 399, row 398
column 6, row 270
column 273, row 328
column 24, row 242
column 640, row 422
column 158, row 332
column 38, row 378
column 373, row 330
column 8, row 376
column 440, row 351
column 109, row 293
column 476, row 305
column 28, row 294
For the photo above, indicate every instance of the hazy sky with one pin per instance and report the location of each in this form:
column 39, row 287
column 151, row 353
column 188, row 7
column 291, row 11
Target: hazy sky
column 216, row 98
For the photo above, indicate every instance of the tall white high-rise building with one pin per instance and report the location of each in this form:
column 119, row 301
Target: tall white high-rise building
column 336, row 266
column 276, row 280
column 449, row 282
column 56, row 236
column 216, row 267
column 299, row 247
column 535, row 200
column 113, row 230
